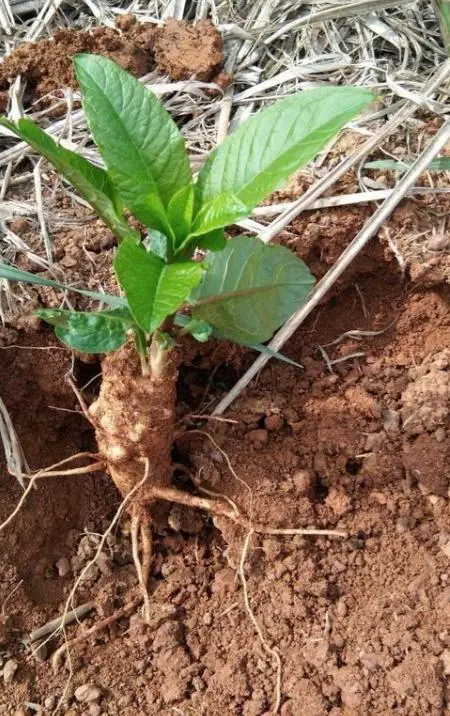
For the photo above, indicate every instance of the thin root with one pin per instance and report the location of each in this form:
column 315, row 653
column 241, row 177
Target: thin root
column 273, row 653
column 140, row 526
column 51, row 472
column 124, row 610
column 98, row 626
column 81, row 401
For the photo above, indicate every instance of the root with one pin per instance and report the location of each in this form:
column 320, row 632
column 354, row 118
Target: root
column 81, row 401
column 97, row 627
column 52, row 472
column 171, row 494
column 140, row 525
column 56, row 659
column 273, row 653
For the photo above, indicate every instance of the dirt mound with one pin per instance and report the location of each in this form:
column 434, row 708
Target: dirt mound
column 179, row 49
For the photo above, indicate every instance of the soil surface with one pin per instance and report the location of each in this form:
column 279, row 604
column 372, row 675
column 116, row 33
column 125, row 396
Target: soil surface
column 177, row 49
column 356, row 442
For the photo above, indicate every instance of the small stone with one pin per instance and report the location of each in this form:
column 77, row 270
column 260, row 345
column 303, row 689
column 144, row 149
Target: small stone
column 86, row 693
column 391, row 422
column 40, row 650
column 258, row 437
column 370, row 661
column 198, row 683
column 444, row 544
column 374, row 440
column 291, row 415
column 273, row 423
column 207, row 619
column 378, row 497
column 440, row 435
column 50, row 703
column 303, row 481
column 445, row 658
column 9, row 670
column 94, row 709
column 341, row 609
column 438, row 242
column 401, row 525
column 400, row 681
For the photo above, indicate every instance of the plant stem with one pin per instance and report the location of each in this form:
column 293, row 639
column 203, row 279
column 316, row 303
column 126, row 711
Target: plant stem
column 158, row 357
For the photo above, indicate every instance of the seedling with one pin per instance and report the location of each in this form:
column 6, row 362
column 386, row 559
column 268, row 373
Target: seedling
column 180, row 274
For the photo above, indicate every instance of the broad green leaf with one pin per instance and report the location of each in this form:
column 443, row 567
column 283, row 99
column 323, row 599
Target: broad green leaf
column 440, row 164
column 140, row 143
column 180, row 212
column 262, row 154
column 14, row 274
column 91, row 182
column 250, row 289
column 154, row 289
column 220, row 211
column 100, row 332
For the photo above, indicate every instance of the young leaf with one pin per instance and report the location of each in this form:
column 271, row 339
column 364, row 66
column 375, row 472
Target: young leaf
column 200, row 330
column 250, row 289
column 220, row 211
column 100, row 332
column 180, row 212
column 91, row 182
column 14, row 274
column 441, row 164
column 154, row 289
column 156, row 243
column 262, row 154
column 213, row 241
column 140, row 143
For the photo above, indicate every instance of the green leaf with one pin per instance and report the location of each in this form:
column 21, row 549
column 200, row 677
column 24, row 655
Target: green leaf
column 156, row 242
column 154, row 289
column 214, row 241
column 440, row 164
column 250, row 289
column 14, row 274
column 200, row 330
column 261, row 348
column 220, row 211
column 91, row 182
column 137, row 138
column 262, row 154
column 180, row 212
column 100, row 332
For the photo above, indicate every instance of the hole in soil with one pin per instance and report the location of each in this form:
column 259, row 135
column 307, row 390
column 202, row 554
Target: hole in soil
column 87, row 373
column 194, row 384
column 321, row 489
column 353, row 466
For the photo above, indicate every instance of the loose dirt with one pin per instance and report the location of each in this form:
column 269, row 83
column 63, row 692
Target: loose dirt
column 177, row 49
column 358, row 441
